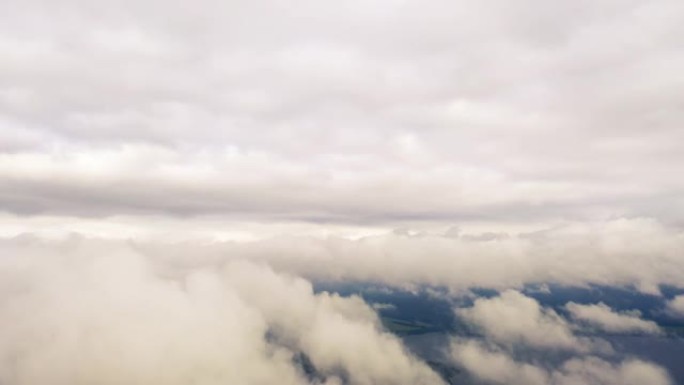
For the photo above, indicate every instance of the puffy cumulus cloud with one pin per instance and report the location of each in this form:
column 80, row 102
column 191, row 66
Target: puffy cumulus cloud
column 676, row 306
column 512, row 324
column 514, row 319
column 495, row 366
column 604, row 317
column 80, row 313
column 592, row 370
column 334, row 332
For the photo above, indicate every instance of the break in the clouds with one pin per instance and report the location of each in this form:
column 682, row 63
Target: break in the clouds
column 511, row 322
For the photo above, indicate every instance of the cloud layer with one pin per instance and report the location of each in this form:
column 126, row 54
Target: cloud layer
column 357, row 112
column 85, row 310
column 173, row 177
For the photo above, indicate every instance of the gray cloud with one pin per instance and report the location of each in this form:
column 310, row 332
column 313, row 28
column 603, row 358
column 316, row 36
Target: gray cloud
column 343, row 112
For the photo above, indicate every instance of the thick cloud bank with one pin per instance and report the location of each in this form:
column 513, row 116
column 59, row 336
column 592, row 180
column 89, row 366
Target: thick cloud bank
column 356, row 111
column 78, row 313
column 637, row 252
column 84, row 311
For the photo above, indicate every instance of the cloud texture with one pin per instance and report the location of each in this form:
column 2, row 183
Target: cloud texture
column 604, row 317
column 511, row 322
column 173, row 177
column 77, row 314
column 364, row 112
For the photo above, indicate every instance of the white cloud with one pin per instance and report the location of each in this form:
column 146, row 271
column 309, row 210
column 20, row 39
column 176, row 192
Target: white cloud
column 498, row 367
column 624, row 252
column 514, row 319
column 621, row 252
column 676, row 306
column 495, row 366
column 79, row 313
column 596, row 371
column 605, row 318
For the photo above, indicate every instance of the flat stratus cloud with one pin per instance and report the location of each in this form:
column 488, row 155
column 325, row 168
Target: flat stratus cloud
column 604, row 317
column 362, row 111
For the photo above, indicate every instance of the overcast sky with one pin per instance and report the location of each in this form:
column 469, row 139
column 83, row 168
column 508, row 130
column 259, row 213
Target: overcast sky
column 355, row 113
column 175, row 174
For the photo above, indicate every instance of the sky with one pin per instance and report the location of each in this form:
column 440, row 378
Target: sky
column 364, row 114
column 153, row 154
